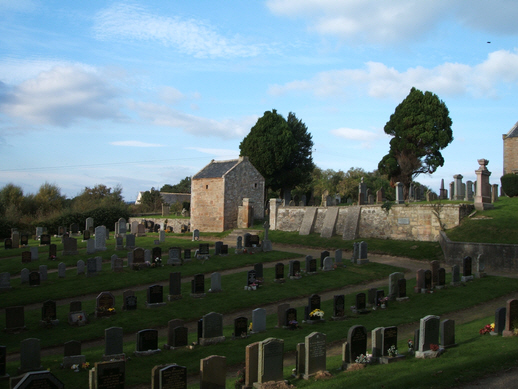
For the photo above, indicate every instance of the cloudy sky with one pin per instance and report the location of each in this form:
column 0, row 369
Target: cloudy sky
column 144, row 93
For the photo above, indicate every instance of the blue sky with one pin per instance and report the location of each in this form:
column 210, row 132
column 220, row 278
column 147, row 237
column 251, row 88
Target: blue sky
column 143, row 93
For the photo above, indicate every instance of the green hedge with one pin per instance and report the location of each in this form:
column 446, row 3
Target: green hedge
column 510, row 184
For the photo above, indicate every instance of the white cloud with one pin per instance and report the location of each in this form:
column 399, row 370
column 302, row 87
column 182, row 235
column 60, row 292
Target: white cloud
column 382, row 22
column 135, row 143
column 367, row 138
column 381, row 81
column 61, row 96
column 171, row 95
column 191, row 37
column 161, row 115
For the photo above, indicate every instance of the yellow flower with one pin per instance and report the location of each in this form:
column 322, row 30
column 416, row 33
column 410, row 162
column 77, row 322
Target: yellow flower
column 492, row 326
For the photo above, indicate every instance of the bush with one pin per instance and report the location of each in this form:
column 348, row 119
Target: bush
column 510, row 184
column 186, row 205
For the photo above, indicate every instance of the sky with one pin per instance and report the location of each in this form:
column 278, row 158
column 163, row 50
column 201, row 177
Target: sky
column 144, row 93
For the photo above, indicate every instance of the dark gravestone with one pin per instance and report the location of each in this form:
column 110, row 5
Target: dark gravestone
column 34, row 278
column 39, row 380
column 212, row 325
column 14, row 318
column 240, row 327
column 198, row 284
column 339, row 306
column 389, row 338
column 44, row 239
column 246, row 240
column 175, row 286
column 155, row 294
column 279, row 271
column 511, row 320
column 251, row 277
column 147, row 340
column 380, row 295
column 323, row 255
column 281, row 314
column 428, row 279
column 442, row 277
column 24, row 239
column 48, row 310
column 156, row 253
column 315, row 354
column 466, row 266
column 357, row 342
column 271, row 355
column 8, row 243
column 72, row 347
column 139, row 255
column 53, row 251
column 187, row 254
column 290, row 317
column 313, row 303
column 360, row 301
column 76, row 306
column 401, row 288
column 224, row 249
column 204, row 249
column 26, row 257
column 3, row 358
column 179, row 337
column 254, row 241
column 110, row 375
column 217, row 247
column 86, row 235
column 294, row 268
column 169, row 376
column 500, row 315
column 130, row 301
column 258, row 267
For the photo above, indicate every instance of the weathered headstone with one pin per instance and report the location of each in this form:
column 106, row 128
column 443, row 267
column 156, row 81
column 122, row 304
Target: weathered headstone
column 113, row 343
column 175, row 286
column 130, row 241
column 357, row 342
column 338, row 307
column 212, row 329
column 251, row 364
column 428, row 333
column 69, row 246
column 129, row 300
column 198, row 285
column 147, row 342
column 215, row 282
column 80, row 267
column 240, row 327
column 105, row 304
column 213, row 372
column 155, row 296
column 447, row 331
column 258, row 320
column 271, row 358
column 109, row 375
column 30, row 359
column 14, row 319
column 315, row 354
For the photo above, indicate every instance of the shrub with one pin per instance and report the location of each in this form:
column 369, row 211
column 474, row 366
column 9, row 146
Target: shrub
column 510, row 184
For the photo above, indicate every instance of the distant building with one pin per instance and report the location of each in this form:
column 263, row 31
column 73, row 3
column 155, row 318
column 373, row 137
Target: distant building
column 511, row 150
column 218, row 191
column 168, row 198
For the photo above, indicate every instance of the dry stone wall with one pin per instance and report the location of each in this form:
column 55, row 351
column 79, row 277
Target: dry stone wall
column 402, row 222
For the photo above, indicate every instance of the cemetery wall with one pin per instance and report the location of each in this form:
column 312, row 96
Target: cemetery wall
column 175, row 223
column 402, row 222
column 496, row 256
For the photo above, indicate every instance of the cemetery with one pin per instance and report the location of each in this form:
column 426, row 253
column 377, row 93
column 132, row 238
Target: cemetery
column 147, row 310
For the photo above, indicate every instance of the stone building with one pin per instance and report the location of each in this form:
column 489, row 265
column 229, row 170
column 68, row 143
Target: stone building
column 223, row 189
column 511, row 150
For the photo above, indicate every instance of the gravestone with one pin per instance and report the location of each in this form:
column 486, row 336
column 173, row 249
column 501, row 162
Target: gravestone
column 34, row 253
column 311, row 265
column 500, row 317
column 91, row 267
column 241, row 327
column 130, row 241
column 215, row 282
column 44, row 240
column 428, row 333
column 24, row 275
column 251, row 364
column 75, row 306
column 139, row 256
column 328, row 264
column 5, row 281
column 8, row 243
column 196, row 235
column 356, row 252
column 175, row 256
column 380, row 297
column 122, row 226
column 119, row 243
column 177, row 334
column 118, row 265
column 105, row 304
column 80, row 267
column 147, row 256
column 455, row 275
column 315, row 354
column 224, row 249
column 169, row 376
column 447, row 331
column 30, row 359
column 251, row 278
column 198, row 285
column 290, row 318
column 129, row 300
column 258, row 320
column 72, row 354
column 388, row 339
column 14, row 319
column 175, row 286
column 511, row 319
column 217, row 247
column 428, row 279
column 147, row 342
column 295, row 270
column 393, row 284
column 53, row 251
column 26, row 257
column 212, row 329
column 113, row 343
column 109, row 375
column 258, row 267
column 155, row 296
column 361, row 303
column 323, row 255
column 34, row 278
column 69, row 246
column 338, row 307
column 466, row 269
column 161, row 236
column 203, row 251
column 86, row 235
column 371, row 297
column 401, row 289
column 156, row 253
column 279, row 272
column 271, row 358
column 313, row 303
column 90, row 246
column 362, row 255
column 213, row 372
column 357, row 342
column 39, row 379
column 434, row 266
column 338, row 257
column 376, row 343
column 441, row 283
column 281, row 314
column 74, row 228
column 49, row 312
column 187, row 255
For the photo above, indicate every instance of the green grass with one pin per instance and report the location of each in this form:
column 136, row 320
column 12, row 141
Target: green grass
column 498, row 225
column 474, row 355
column 410, row 249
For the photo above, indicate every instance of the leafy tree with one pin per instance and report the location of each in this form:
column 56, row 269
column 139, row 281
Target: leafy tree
column 49, row 199
column 11, row 196
column 99, row 195
column 184, row 186
column 151, row 200
column 280, row 150
column 421, row 128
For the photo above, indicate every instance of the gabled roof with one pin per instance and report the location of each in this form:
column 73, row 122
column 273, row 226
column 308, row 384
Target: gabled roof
column 513, row 132
column 216, row 169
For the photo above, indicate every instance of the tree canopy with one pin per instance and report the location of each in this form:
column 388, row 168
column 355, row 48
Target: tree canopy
column 421, row 128
column 184, row 186
column 281, row 150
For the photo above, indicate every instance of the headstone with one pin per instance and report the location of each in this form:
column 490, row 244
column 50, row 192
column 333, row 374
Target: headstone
column 91, row 267
column 281, row 314
column 45, row 240
column 401, row 289
column 39, row 379
column 455, row 275
column 400, row 198
column 187, row 255
column 53, row 251
column 500, row 317
column 90, row 246
column 338, row 257
column 203, row 250
column 118, row 265
column 198, row 285
column 89, row 223
column 258, row 267
column 49, row 312
column 213, row 372
column 105, row 304
column 360, row 302
column 371, row 297
column 295, row 269
column 428, row 279
column 72, row 354
column 279, row 272
column 175, row 286
column 156, row 253
column 212, row 328
column 122, row 226
column 109, row 375
column 328, row 264
column 43, row 272
column 428, row 332
column 251, row 364
column 86, row 235
column 113, row 343
column 323, row 255
column 139, row 256
column 24, row 275
column 174, row 256
column 388, row 339
column 338, row 307
column 442, row 278
column 147, row 341
column 241, row 327
column 466, row 269
column 313, row 303
column 217, row 247
column 290, row 320
column 5, row 281
column 196, row 235
column 376, row 342
column 357, row 342
column 315, row 354
column 177, row 334
column 80, row 267
column 130, row 241
column 215, row 282
column 34, row 278
column 434, row 266
column 129, row 300
column 271, row 358
column 363, row 251
column 155, row 296
column 75, row 306
column 30, row 359
column 393, row 284
column 311, row 265
column 69, row 246
column 26, row 257
column 259, row 320
column 34, row 253
column 447, row 331
column 511, row 319
column 8, row 243
column 251, row 278
column 169, row 376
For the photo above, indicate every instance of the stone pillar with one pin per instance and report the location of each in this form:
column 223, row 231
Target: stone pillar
column 362, row 193
column 458, row 187
column 452, row 190
column 400, row 198
column 443, row 193
column 274, row 204
column 483, row 194
column 469, row 191
column 494, row 193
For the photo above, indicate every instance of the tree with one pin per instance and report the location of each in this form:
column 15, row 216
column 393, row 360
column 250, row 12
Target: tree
column 280, row 150
column 421, row 128
column 49, row 199
column 184, row 186
column 99, row 195
column 151, row 200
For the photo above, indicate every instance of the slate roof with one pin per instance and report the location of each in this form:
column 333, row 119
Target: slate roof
column 513, row 132
column 216, row 169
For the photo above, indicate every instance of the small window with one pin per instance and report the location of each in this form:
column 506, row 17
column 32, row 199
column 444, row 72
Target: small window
column 255, row 185
column 206, row 187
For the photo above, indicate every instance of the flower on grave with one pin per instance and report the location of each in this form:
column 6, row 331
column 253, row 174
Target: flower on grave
column 383, row 300
column 240, row 378
column 293, row 324
column 487, row 329
column 85, row 365
column 53, row 257
column 392, row 351
column 410, row 344
column 297, row 274
column 75, row 367
column 316, row 314
column 362, row 358
column 434, row 347
column 111, row 310
column 250, row 327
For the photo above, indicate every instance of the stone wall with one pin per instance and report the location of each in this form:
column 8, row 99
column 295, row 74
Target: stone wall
column 175, row 223
column 510, row 155
column 207, row 204
column 495, row 256
column 402, row 222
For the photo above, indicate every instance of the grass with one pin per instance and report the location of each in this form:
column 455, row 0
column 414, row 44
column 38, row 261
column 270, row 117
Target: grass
column 498, row 225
